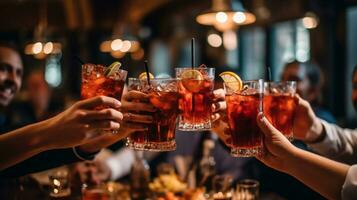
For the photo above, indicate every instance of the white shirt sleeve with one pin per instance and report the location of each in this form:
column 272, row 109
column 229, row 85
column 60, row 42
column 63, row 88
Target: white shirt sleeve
column 349, row 188
column 339, row 144
column 120, row 163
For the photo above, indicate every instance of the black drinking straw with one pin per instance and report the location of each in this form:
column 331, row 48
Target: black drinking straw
column 269, row 78
column 193, row 66
column 193, row 53
column 147, row 71
column 269, row 74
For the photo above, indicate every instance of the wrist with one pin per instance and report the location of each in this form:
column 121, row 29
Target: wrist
column 83, row 155
column 292, row 160
column 316, row 132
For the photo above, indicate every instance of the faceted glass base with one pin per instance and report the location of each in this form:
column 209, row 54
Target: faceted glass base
column 152, row 146
column 246, row 152
column 194, row 127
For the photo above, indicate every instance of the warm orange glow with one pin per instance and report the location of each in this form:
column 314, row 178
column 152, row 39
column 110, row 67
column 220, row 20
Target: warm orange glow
column 223, row 24
column 37, row 48
column 126, row 46
column 48, row 48
column 116, row 44
column 138, row 55
column 214, row 40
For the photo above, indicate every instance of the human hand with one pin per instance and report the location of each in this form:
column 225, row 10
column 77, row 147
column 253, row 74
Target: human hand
column 219, row 116
column 134, row 103
column 80, row 123
column 307, row 127
column 279, row 150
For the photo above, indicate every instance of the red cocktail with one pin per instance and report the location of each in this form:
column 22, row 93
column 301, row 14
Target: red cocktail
column 280, row 105
column 242, row 109
column 97, row 82
column 196, row 90
column 161, row 133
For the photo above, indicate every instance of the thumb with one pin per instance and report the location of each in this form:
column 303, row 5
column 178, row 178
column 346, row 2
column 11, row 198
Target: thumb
column 265, row 126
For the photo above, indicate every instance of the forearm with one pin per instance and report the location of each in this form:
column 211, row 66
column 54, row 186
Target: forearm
column 321, row 174
column 23, row 143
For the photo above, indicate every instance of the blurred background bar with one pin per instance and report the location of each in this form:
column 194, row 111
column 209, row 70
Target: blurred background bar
column 244, row 36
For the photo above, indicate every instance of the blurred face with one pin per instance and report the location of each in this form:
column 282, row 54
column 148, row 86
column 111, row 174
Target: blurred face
column 10, row 75
column 354, row 90
column 294, row 72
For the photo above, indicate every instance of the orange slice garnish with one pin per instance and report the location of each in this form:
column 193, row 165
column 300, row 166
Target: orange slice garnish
column 232, row 80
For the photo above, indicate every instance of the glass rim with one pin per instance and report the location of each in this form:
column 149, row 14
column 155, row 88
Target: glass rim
column 104, row 66
column 252, row 81
column 179, row 68
column 153, row 79
column 279, row 82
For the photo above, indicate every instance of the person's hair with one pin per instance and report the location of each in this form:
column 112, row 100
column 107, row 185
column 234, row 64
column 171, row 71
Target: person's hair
column 9, row 45
column 312, row 71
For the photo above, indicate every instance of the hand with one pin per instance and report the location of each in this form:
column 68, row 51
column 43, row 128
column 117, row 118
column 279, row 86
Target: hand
column 307, row 127
column 278, row 148
column 219, row 116
column 80, row 123
column 134, row 104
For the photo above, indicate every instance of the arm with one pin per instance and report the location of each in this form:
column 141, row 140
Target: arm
column 321, row 174
column 23, row 143
column 75, row 126
column 324, row 138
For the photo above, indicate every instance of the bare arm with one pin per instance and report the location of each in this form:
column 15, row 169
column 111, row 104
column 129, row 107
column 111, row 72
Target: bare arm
column 321, row 174
column 22, row 143
column 75, row 126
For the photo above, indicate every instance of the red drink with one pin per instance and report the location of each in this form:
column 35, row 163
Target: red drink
column 280, row 106
column 242, row 110
column 95, row 83
column 95, row 193
column 161, row 133
column 280, row 110
column 201, row 111
column 196, row 99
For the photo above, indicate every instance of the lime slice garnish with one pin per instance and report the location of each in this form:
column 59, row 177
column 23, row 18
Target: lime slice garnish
column 232, row 80
column 112, row 68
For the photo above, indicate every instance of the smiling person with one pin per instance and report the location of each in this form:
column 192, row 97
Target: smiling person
column 70, row 136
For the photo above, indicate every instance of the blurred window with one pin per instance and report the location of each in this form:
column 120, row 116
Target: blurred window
column 351, row 58
column 252, row 41
column 290, row 41
column 159, row 59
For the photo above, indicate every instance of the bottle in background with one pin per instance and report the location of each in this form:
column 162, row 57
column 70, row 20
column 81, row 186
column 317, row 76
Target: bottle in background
column 206, row 166
column 140, row 177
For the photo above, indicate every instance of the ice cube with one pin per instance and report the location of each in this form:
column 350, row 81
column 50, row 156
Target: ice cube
column 171, row 87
